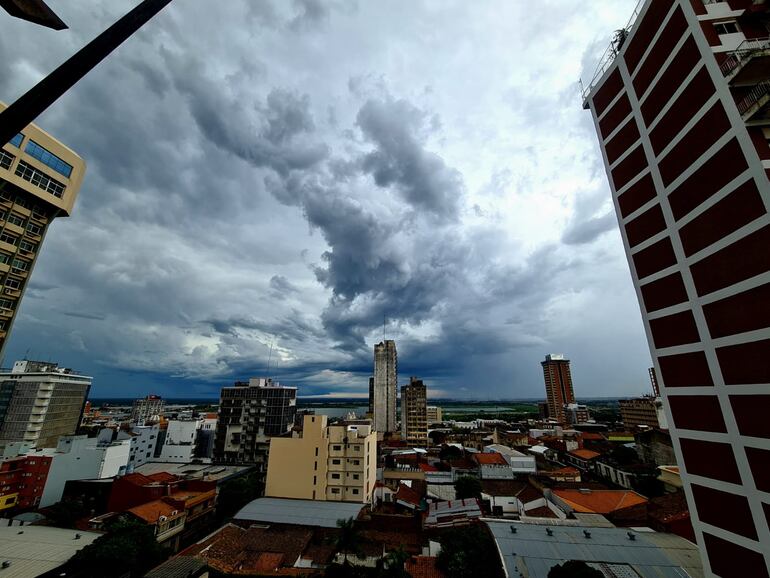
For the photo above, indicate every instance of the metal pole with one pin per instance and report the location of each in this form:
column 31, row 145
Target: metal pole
column 29, row 106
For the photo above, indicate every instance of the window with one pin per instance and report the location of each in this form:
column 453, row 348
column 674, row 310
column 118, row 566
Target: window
column 356, row 476
column 357, row 448
column 18, row 265
column 356, row 462
column 5, row 159
column 336, row 448
column 6, row 304
column 16, row 141
column 34, row 229
column 48, row 158
column 16, row 220
column 22, row 202
column 4, row 258
column 729, row 27
column 335, row 490
column 2, row 325
column 355, row 490
column 335, row 476
column 5, row 195
column 336, row 462
column 315, row 466
column 316, row 452
column 314, row 480
column 6, row 238
column 13, row 283
column 39, row 179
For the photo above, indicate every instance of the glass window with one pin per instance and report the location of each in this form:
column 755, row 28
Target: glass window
column 6, row 304
column 12, row 283
column 5, row 159
column 16, row 141
column 335, row 476
column 336, row 462
column 39, row 179
column 729, row 27
column 31, row 247
column 4, row 258
column 16, row 219
column 6, row 238
column 34, row 229
column 48, row 158
column 355, row 490
column 19, row 265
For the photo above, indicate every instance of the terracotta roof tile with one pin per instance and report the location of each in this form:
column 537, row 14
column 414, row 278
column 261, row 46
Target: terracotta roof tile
column 423, row 567
column 491, row 459
column 585, row 454
column 152, row 511
column 427, row 467
column 600, row 501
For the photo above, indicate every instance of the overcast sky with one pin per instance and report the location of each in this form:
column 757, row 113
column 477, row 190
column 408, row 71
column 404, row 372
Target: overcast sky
column 290, row 174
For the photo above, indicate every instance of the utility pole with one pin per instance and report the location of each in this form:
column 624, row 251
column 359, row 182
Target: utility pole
column 29, row 106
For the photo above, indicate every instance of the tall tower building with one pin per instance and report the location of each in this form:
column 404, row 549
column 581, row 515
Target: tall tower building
column 681, row 107
column 558, row 385
column 40, row 402
column 39, row 181
column 384, row 386
column 250, row 413
column 414, row 412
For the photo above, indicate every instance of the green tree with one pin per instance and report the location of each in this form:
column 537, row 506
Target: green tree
column 349, row 539
column 469, row 551
column 64, row 514
column 450, row 453
column 235, row 494
column 392, row 565
column 574, row 569
column 467, row 487
column 129, row 546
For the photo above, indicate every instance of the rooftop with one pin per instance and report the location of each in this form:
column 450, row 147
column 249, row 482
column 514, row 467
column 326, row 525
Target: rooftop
column 191, row 471
column 585, row 454
column 299, row 512
column 34, row 550
column 152, row 511
column 490, row 459
column 599, row 501
column 532, row 552
column 423, row 567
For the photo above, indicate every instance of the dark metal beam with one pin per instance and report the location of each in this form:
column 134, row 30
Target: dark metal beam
column 29, row 106
column 35, row 11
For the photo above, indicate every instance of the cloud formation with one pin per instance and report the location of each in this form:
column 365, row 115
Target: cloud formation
column 294, row 180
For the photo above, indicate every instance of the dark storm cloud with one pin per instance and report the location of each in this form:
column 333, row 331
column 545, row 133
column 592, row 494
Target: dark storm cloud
column 396, row 128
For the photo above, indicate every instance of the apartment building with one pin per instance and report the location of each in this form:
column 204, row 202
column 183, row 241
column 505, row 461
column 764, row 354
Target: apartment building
column 434, row 414
column 558, row 385
column 40, row 402
column 147, row 410
column 640, row 412
column 325, row 462
column 384, row 390
column 39, row 181
column 22, row 481
column 680, row 103
column 414, row 412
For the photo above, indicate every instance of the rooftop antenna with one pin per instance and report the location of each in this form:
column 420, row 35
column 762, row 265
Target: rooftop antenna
column 384, row 322
column 269, row 357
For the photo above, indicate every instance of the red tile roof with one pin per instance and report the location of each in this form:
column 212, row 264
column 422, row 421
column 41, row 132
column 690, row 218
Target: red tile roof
column 589, row 435
column 152, row 511
column 408, row 495
column 599, row 501
column 423, row 567
column 585, row 454
column 163, row 477
column 427, row 467
column 490, row 459
column 565, row 471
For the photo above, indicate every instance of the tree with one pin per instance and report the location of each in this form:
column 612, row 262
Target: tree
column 129, row 546
column 237, row 493
column 469, row 551
column 392, row 565
column 437, row 437
column 574, row 569
column 349, row 539
column 467, row 487
column 64, row 514
column 450, row 453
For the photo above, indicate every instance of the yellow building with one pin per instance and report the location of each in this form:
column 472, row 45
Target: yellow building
column 325, row 462
column 39, row 181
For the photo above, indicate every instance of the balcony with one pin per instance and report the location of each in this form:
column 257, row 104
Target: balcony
column 749, row 64
column 754, row 105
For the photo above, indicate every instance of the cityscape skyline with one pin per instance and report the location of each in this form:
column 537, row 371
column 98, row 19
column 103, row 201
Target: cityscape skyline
column 492, row 254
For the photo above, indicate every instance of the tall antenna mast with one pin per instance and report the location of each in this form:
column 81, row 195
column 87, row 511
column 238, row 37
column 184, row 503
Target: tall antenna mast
column 269, row 357
column 384, row 321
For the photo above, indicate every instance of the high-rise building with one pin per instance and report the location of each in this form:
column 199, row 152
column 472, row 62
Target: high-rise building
column 384, row 386
column 654, row 382
column 326, row 462
column 40, row 402
column 39, row 181
column 147, row 410
column 414, row 412
column 558, row 385
column 639, row 412
column 680, row 105
column 250, row 413
column 371, row 395
column 575, row 413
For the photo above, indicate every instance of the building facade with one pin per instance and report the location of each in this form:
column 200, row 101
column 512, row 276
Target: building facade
column 384, row 386
column 414, row 412
column 434, row 414
column 558, row 385
column 39, row 181
column 575, row 414
column 147, row 410
column 40, row 402
column 143, row 440
column 179, row 444
column 680, row 105
column 639, row 412
column 22, row 481
column 327, row 462
column 250, row 414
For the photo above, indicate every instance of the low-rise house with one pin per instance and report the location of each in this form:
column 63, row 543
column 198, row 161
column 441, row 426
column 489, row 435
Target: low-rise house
column 627, row 476
column 621, row 507
column 520, row 463
column 493, row 466
column 565, row 474
column 670, row 478
column 582, row 459
column 166, row 520
column 454, row 513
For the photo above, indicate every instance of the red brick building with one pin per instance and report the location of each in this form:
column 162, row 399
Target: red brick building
column 558, row 386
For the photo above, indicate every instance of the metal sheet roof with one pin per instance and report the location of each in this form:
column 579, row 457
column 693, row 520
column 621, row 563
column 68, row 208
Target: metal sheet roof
column 299, row 512
column 532, row 552
column 34, row 550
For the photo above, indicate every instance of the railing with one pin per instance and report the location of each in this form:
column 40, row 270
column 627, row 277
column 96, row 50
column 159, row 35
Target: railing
column 609, row 55
column 754, row 96
column 745, row 49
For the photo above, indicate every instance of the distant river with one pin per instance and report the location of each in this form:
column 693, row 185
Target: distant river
column 338, row 411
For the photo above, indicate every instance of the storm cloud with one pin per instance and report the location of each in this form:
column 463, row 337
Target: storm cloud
column 298, row 180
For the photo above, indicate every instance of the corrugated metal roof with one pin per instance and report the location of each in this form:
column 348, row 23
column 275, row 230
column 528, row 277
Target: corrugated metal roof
column 533, row 552
column 299, row 512
column 34, row 550
column 178, row 567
